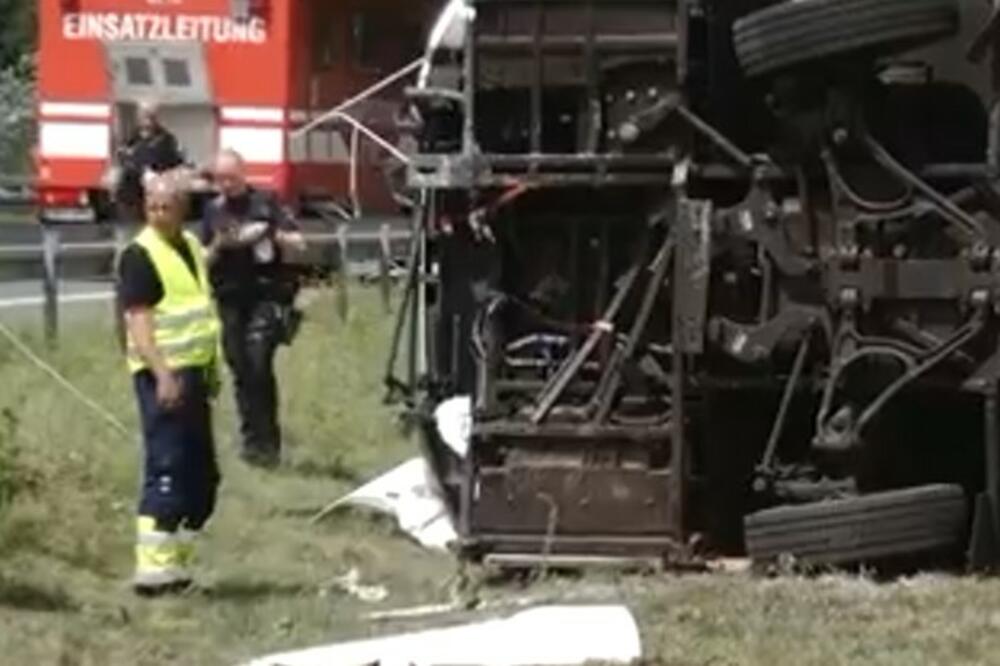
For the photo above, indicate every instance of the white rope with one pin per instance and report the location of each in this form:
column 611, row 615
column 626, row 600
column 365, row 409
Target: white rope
column 107, row 416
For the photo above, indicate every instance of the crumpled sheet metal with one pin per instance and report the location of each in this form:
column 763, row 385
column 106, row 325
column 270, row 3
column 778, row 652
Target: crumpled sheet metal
column 408, row 493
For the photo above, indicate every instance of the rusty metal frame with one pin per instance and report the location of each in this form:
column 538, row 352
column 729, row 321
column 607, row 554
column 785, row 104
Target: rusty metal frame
column 817, row 332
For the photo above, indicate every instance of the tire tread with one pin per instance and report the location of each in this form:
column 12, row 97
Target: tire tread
column 842, row 531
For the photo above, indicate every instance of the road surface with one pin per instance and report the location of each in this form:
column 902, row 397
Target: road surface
column 21, row 301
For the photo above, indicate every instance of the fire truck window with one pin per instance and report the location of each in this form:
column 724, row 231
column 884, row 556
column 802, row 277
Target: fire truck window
column 324, row 36
column 176, row 73
column 383, row 42
column 138, row 72
column 361, row 39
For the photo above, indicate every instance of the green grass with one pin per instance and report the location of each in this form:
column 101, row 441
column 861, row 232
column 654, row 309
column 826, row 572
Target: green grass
column 65, row 541
column 65, row 548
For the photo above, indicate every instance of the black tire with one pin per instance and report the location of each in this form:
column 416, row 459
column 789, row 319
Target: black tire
column 792, row 33
column 860, row 529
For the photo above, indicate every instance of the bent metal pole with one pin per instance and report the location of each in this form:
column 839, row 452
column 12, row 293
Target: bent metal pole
column 364, row 94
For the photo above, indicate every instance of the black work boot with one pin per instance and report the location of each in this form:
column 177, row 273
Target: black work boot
column 150, row 591
column 263, row 458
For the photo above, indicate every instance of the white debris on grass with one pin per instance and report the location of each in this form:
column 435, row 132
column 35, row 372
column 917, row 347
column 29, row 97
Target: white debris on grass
column 408, row 493
column 545, row 636
column 730, row 565
column 351, row 584
column 414, row 612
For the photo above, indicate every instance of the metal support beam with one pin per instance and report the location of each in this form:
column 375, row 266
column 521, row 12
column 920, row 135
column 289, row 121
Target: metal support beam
column 571, row 366
column 612, row 378
column 686, row 254
column 984, row 542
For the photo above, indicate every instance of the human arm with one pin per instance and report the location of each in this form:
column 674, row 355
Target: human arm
column 290, row 240
column 287, row 233
column 263, row 219
column 139, row 321
column 218, row 232
column 139, row 290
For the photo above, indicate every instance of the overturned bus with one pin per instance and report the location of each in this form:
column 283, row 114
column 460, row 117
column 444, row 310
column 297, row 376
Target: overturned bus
column 709, row 276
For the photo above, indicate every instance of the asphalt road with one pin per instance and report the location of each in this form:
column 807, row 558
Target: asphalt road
column 21, row 301
column 28, row 293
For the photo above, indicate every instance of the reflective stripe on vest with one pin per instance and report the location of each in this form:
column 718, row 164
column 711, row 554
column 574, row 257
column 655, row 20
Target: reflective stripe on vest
column 186, row 329
column 177, row 349
column 185, row 318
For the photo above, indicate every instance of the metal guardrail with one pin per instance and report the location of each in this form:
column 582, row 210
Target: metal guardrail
column 109, row 247
column 15, row 180
column 52, row 251
column 16, row 192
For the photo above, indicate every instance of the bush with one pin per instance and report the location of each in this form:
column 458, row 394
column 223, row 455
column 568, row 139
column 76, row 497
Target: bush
column 17, row 85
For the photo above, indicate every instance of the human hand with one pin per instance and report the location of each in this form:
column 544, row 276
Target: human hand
column 169, row 390
column 291, row 240
column 250, row 234
column 226, row 235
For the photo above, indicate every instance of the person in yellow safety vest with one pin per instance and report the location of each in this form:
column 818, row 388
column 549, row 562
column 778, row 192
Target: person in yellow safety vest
column 173, row 343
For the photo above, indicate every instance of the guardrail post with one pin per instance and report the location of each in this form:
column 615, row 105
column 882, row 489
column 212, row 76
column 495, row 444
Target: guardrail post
column 342, row 277
column 50, row 284
column 122, row 236
column 384, row 266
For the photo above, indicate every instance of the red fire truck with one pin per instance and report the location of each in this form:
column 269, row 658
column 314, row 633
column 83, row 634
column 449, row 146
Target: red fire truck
column 240, row 74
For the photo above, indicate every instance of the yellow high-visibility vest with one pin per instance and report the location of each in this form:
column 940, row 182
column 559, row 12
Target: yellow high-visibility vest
column 185, row 323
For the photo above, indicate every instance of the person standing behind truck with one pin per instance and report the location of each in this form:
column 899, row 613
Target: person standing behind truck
column 247, row 233
column 151, row 150
column 173, row 341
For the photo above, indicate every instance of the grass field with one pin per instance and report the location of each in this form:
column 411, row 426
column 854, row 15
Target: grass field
column 65, row 540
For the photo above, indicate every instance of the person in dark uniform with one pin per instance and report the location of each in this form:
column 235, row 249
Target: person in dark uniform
column 173, row 341
column 151, row 150
column 247, row 233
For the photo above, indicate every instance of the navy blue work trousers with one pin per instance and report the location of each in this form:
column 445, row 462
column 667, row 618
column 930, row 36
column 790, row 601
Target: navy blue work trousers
column 180, row 471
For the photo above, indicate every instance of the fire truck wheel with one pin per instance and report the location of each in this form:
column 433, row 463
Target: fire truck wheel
column 868, row 528
column 801, row 31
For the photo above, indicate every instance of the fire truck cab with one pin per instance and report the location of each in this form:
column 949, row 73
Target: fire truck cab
column 240, row 74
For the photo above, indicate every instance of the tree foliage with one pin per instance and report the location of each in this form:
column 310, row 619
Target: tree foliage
column 17, row 31
column 17, row 75
column 17, row 83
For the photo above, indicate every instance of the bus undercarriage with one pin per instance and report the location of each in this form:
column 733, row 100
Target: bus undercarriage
column 717, row 277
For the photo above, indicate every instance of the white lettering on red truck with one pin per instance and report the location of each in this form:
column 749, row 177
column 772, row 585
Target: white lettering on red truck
column 163, row 28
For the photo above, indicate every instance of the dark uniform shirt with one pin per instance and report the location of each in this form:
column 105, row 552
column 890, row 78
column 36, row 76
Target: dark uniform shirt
column 139, row 284
column 236, row 274
column 157, row 152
